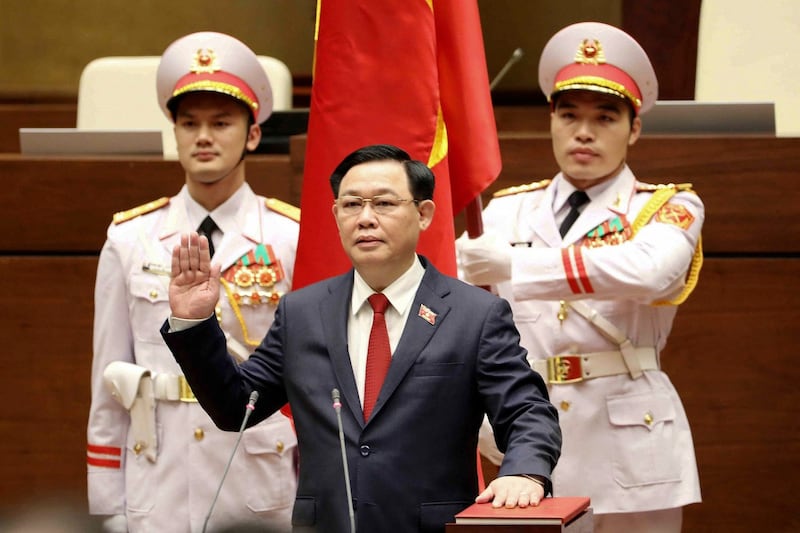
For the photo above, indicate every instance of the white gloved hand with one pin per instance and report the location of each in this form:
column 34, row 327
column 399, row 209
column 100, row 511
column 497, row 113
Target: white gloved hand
column 117, row 523
column 485, row 260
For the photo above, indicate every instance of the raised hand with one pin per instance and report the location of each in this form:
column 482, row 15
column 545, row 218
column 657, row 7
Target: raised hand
column 194, row 283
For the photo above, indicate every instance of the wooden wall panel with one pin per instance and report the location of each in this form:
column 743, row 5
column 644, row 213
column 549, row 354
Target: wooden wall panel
column 46, row 310
column 749, row 184
column 66, row 204
column 667, row 30
column 731, row 355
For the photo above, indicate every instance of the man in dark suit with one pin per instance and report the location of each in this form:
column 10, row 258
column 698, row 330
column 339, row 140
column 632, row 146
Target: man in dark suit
column 455, row 354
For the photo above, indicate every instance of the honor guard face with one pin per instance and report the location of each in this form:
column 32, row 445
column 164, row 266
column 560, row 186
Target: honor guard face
column 592, row 56
column 211, row 61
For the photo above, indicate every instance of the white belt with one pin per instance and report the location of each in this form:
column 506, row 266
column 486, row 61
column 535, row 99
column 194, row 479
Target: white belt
column 572, row 368
column 172, row 388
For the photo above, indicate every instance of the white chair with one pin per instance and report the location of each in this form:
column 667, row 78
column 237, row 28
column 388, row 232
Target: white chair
column 120, row 93
column 745, row 52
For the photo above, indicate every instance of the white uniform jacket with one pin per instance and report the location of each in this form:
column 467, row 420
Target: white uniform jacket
column 627, row 442
column 174, row 492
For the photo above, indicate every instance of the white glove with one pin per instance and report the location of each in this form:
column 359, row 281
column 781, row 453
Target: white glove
column 115, row 524
column 485, row 260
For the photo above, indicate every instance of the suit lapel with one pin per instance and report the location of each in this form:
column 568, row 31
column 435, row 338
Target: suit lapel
column 334, row 314
column 417, row 332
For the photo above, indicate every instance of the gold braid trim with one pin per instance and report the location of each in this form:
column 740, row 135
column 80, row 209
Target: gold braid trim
column 238, row 312
column 220, row 87
column 660, row 197
column 596, row 83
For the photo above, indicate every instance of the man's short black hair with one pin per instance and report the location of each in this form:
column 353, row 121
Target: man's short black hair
column 421, row 180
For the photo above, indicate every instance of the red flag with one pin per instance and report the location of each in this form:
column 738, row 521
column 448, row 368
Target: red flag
column 406, row 72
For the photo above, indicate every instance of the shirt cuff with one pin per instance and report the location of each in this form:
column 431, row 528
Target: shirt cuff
column 180, row 324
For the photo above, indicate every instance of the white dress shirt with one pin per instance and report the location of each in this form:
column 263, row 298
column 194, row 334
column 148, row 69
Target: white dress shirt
column 400, row 295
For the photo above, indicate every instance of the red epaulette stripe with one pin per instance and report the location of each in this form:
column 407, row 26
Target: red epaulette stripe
column 569, row 271
column 583, row 276
column 106, row 450
column 108, row 463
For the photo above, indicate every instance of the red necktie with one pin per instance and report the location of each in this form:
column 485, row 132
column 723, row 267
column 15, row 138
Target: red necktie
column 379, row 353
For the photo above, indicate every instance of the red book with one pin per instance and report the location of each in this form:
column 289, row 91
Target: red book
column 560, row 510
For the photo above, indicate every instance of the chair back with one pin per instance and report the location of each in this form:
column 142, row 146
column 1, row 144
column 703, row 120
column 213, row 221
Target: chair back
column 120, row 93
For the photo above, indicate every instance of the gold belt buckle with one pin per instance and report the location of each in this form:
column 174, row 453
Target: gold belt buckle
column 186, row 394
column 563, row 369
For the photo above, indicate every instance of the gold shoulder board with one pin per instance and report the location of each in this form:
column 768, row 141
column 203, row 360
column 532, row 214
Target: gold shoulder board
column 124, row 216
column 522, row 188
column 281, row 207
column 644, row 187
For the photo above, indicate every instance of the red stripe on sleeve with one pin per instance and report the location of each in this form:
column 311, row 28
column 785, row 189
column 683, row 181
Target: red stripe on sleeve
column 583, row 276
column 107, row 463
column 105, row 450
column 569, row 271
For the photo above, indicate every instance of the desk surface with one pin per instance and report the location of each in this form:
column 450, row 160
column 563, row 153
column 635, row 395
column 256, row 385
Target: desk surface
column 749, row 186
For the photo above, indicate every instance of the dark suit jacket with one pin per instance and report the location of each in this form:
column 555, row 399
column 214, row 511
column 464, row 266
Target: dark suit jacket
column 413, row 466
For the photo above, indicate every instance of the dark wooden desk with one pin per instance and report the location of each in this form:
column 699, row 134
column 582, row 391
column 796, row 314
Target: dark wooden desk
column 749, row 184
column 65, row 204
column 32, row 115
column 732, row 354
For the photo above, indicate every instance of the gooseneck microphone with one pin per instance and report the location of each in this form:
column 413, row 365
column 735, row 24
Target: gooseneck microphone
column 251, row 405
column 515, row 56
column 337, row 406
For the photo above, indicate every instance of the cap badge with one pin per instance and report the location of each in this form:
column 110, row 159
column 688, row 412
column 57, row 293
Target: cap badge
column 204, row 61
column 590, row 52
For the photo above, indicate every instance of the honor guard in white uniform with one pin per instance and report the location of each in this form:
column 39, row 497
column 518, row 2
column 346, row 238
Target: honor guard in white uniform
column 155, row 459
column 595, row 264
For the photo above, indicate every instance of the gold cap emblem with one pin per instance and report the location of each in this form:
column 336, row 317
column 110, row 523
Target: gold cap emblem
column 204, row 61
column 590, row 52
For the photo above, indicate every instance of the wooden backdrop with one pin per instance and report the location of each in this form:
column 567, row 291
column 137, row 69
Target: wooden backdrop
column 731, row 355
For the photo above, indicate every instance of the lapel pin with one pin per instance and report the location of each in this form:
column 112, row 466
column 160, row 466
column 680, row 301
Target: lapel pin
column 426, row 314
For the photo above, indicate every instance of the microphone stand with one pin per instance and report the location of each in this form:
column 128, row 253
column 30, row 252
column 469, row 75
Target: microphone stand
column 248, row 411
column 337, row 406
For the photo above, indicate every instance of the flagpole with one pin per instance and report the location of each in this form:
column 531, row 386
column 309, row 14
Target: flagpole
column 473, row 218
column 474, row 223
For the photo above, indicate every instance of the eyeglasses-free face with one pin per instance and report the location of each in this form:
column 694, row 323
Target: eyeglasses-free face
column 383, row 204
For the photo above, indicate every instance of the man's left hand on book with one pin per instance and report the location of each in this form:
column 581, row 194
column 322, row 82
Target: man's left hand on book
column 512, row 491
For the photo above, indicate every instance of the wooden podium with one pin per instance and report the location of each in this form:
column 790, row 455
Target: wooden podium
column 552, row 515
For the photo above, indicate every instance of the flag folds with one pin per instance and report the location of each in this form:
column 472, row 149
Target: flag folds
column 406, row 72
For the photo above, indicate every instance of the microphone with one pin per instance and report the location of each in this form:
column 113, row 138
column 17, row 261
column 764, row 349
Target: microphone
column 515, row 56
column 337, row 406
column 251, row 405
